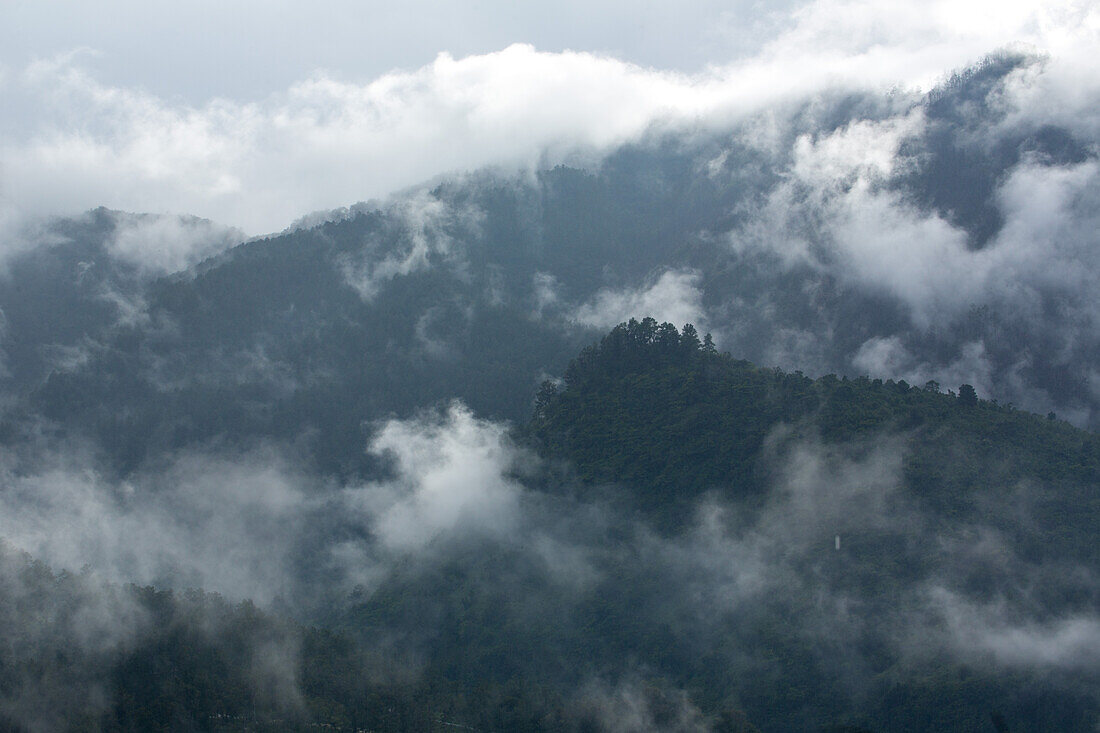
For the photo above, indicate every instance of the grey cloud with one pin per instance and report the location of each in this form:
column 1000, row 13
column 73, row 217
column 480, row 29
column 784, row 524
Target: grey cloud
column 782, row 556
column 238, row 523
column 21, row 232
column 633, row 706
column 44, row 615
column 427, row 228
column 734, row 557
column 888, row 358
column 227, row 524
column 997, row 631
column 329, row 139
column 545, row 287
column 4, row 372
column 256, row 364
column 63, row 633
column 434, row 345
column 848, row 221
column 166, row 244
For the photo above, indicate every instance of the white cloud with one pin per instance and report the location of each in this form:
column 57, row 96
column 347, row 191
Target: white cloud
column 995, row 629
column 888, row 358
column 1050, row 237
column 427, row 226
column 675, row 297
column 452, row 475
column 239, row 524
column 326, row 141
column 165, row 244
column 834, row 212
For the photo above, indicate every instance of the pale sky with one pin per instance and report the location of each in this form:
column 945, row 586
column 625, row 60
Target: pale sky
column 244, row 49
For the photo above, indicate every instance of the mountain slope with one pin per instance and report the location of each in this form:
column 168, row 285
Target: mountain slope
column 678, row 537
column 898, row 236
column 960, row 526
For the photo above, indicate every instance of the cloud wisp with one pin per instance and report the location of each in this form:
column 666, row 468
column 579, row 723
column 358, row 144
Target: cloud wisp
column 674, row 297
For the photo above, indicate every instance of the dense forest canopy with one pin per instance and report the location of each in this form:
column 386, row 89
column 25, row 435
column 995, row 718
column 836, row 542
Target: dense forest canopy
column 679, row 522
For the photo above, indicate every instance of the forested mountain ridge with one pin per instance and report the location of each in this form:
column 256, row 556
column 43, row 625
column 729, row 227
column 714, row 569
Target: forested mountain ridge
column 892, row 470
column 660, row 409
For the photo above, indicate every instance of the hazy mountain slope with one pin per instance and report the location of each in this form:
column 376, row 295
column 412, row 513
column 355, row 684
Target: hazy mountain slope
column 79, row 280
column 623, row 573
column 899, row 556
column 945, row 237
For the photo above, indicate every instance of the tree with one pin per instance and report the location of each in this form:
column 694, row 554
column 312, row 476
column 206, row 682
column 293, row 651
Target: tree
column 689, row 341
column 546, row 394
column 967, row 396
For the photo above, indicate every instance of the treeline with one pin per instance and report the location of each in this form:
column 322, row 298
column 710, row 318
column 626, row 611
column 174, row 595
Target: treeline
column 662, row 411
column 658, row 415
column 80, row 654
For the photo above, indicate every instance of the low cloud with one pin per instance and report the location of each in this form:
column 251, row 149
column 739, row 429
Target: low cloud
column 74, row 617
column 253, row 524
column 887, row 358
column 544, row 287
column 225, row 523
column 324, row 142
column 239, row 523
column 451, row 477
column 426, row 234
column 998, row 631
column 834, row 213
column 674, row 297
column 160, row 245
column 634, row 706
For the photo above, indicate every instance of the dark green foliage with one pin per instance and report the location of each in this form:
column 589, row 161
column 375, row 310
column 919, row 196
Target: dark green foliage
column 657, row 411
column 668, row 420
column 485, row 633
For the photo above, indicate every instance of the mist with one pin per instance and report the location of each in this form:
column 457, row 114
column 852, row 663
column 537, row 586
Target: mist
column 460, row 500
column 288, row 449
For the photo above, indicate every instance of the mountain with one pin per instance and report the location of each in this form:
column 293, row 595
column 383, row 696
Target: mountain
column 901, row 556
column 444, row 460
column 699, row 543
column 663, row 412
column 893, row 236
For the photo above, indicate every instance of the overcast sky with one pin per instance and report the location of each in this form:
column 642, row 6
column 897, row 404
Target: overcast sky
column 246, row 49
column 254, row 113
